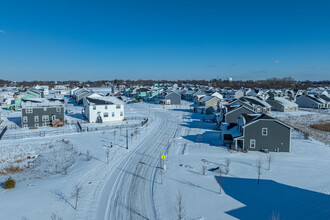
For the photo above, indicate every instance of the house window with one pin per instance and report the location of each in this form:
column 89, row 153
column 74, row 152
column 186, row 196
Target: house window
column 36, row 118
column 53, row 117
column 58, row 109
column 29, row 110
column 106, row 114
column 25, row 125
column 45, row 109
column 105, row 107
column 121, row 113
column 44, row 124
column 113, row 114
column 45, row 118
column 36, row 125
column 25, row 119
column 252, row 143
column 94, row 107
column 264, row 131
column 117, row 106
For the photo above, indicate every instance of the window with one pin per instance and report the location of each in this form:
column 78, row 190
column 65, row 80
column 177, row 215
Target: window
column 113, row 114
column 25, row 125
column 264, row 131
column 117, row 106
column 94, row 107
column 106, row 114
column 105, row 107
column 252, row 143
column 121, row 113
column 58, row 109
column 36, row 118
column 45, row 118
column 25, row 119
column 36, row 125
column 53, row 117
column 44, row 124
column 29, row 110
column 45, row 109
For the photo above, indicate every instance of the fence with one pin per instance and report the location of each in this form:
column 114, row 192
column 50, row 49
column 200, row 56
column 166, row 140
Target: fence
column 12, row 126
column 64, row 130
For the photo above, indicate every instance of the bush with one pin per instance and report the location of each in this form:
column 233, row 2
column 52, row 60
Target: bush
column 322, row 127
column 9, row 183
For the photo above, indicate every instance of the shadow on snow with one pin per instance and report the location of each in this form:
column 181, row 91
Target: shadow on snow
column 268, row 197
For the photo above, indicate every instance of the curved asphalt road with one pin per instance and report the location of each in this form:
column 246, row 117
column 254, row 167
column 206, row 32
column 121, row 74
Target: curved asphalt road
column 130, row 187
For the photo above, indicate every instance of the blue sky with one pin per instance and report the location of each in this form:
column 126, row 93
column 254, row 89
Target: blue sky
column 164, row 39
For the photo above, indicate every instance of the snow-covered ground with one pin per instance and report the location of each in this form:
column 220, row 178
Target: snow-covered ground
column 129, row 186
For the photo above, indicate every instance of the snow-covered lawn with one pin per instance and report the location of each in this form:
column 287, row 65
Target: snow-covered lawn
column 296, row 187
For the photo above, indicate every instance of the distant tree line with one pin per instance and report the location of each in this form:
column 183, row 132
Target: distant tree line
column 275, row 83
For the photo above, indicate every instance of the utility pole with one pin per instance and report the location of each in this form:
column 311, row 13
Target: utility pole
column 126, row 136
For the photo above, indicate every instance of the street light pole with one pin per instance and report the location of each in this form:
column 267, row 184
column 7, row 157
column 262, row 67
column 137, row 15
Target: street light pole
column 126, row 136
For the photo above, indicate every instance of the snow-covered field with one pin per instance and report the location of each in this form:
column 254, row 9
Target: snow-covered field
column 129, row 185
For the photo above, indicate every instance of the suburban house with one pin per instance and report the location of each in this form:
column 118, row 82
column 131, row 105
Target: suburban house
column 45, row 89
column 257, row 104
column 99, row 109
column 206, row 104
column 281, row 104
column 15, row 102
column 41, row 112
column 172, row 98
column 191, row 94
column 310, row 101
column 79, row 95
column 257, row 132
column 230, row 113
column 61, row 89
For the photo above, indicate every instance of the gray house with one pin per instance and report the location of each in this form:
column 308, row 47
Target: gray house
column 281, row 104
column 233, row 112
column 172, row 98
column 310, row 101
column 42, row 112
column 262, row 132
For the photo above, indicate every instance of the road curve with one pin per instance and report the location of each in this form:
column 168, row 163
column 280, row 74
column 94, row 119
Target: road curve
column 131, row 193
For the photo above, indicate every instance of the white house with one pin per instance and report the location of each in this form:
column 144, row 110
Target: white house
column 99, row 109
column 61, row 89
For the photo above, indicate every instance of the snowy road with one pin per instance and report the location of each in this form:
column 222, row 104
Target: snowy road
column 131, row 195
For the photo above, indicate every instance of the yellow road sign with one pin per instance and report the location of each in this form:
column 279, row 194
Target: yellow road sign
column 163, row 157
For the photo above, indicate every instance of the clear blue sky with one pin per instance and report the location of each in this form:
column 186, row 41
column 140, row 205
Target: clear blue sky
column 164, row 39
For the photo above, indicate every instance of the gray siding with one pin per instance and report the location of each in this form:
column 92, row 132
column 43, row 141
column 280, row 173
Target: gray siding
column 174, row 97
column 40, row 111
column 231, row 117
column 278, row 136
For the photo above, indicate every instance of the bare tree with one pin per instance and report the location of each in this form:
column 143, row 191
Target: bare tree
column 275, row 216
column 107, row 153
column 65, row 169
column 269, row 159
column 55, row 217
column 203, row 170
column 258, row 166
column 136, row 132
column 227, row 164
column 180, row 210
column 88, row 155
column 76, row 193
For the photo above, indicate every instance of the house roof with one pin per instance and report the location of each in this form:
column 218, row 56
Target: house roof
column 255, row 101
column 41, row 102
column 108, row 100
column 253, row 117
column 285, row 102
